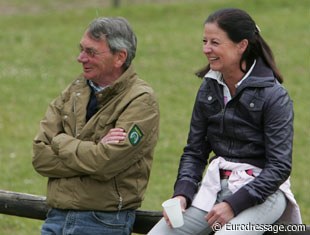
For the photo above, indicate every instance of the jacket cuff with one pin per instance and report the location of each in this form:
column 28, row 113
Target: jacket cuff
column 240, row 201
column 55, row 143
column 60, row 143
column 185, row 188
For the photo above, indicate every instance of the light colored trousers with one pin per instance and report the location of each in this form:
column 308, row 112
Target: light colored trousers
column 195, row 223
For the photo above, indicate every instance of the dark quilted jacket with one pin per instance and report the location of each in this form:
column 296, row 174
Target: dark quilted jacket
column 255, row 127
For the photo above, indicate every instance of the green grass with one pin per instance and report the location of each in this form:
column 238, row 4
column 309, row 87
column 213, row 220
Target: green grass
column 38, row 44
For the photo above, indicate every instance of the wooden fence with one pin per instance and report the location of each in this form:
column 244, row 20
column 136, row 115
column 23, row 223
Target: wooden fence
column 35, row 207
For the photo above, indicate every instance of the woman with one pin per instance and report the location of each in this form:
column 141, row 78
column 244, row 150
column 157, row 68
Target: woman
column 244, row 116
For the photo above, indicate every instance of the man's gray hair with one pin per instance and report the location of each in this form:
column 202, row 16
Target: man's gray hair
column 117, row 33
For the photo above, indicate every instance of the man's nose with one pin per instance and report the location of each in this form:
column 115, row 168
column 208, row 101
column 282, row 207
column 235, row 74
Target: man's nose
column 82, row 57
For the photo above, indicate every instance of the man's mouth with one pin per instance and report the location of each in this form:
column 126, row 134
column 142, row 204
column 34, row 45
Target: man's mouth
column 86, row 69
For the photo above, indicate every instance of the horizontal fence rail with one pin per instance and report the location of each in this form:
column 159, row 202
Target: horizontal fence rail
column 35, row 207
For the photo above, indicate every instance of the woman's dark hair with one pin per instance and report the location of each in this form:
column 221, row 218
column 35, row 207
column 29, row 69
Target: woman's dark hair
column 239, row 25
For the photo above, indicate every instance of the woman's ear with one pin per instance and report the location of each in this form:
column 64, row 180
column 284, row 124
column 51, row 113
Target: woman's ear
column 242, row 45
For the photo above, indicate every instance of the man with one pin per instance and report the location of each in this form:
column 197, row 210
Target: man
column 97, row 139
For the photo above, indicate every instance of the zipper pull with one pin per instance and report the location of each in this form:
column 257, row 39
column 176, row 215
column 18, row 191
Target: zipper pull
column 120, row 204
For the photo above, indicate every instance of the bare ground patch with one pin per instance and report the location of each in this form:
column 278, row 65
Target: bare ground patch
column 35, row 7
column 12, row 7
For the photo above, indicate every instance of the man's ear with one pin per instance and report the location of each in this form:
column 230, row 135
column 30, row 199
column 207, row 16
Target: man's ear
column 120, row 58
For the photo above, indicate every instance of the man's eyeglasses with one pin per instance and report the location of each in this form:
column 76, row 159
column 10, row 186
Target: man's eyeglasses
column 91, row 52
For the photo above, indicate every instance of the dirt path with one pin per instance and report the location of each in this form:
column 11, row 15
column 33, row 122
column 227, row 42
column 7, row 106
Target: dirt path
column 12, row 7
column 34, row 6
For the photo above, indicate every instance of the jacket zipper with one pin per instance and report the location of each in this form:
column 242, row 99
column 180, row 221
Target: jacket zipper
column 231, row 143
column 120, row 199
column 74, row 112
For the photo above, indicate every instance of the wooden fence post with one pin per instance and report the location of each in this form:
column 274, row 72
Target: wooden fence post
column 116, row 3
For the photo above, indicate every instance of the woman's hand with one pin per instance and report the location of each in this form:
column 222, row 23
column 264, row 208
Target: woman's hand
column 221, row 213
column 183, row 207
column 114, row 136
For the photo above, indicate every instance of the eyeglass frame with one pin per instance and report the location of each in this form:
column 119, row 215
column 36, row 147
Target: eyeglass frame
column 91, row 52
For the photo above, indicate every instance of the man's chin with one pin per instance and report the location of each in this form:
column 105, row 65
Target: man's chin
column 87, row 76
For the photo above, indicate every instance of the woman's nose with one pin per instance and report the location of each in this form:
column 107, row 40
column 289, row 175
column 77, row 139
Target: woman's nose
column 206, row 49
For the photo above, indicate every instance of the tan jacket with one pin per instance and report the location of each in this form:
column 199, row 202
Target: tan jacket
column 85, row 174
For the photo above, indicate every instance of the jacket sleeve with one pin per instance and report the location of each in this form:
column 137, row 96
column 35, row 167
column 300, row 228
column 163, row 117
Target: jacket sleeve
column 278, row 135
column 104, row 161
column 195, row 156
column 44, row 159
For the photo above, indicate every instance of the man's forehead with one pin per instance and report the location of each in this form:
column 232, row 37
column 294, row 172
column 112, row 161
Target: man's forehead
column 87, row 41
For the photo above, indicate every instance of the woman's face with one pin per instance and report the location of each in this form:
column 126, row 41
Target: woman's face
column 223, row 54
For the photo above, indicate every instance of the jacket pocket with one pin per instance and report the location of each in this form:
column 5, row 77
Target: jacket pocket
column 251, row 107
column 209, row 103
column 114, row 220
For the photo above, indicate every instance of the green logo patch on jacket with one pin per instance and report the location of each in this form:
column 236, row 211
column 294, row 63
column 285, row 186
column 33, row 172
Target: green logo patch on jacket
column 135, row 135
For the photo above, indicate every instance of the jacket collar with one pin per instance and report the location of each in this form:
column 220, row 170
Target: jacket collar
column 118, row 86
column 219, row 78
column 261, row 76
column 123, row 81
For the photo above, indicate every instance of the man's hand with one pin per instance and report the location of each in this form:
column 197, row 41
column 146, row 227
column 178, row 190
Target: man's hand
column 221, row 213
column 114, row 136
